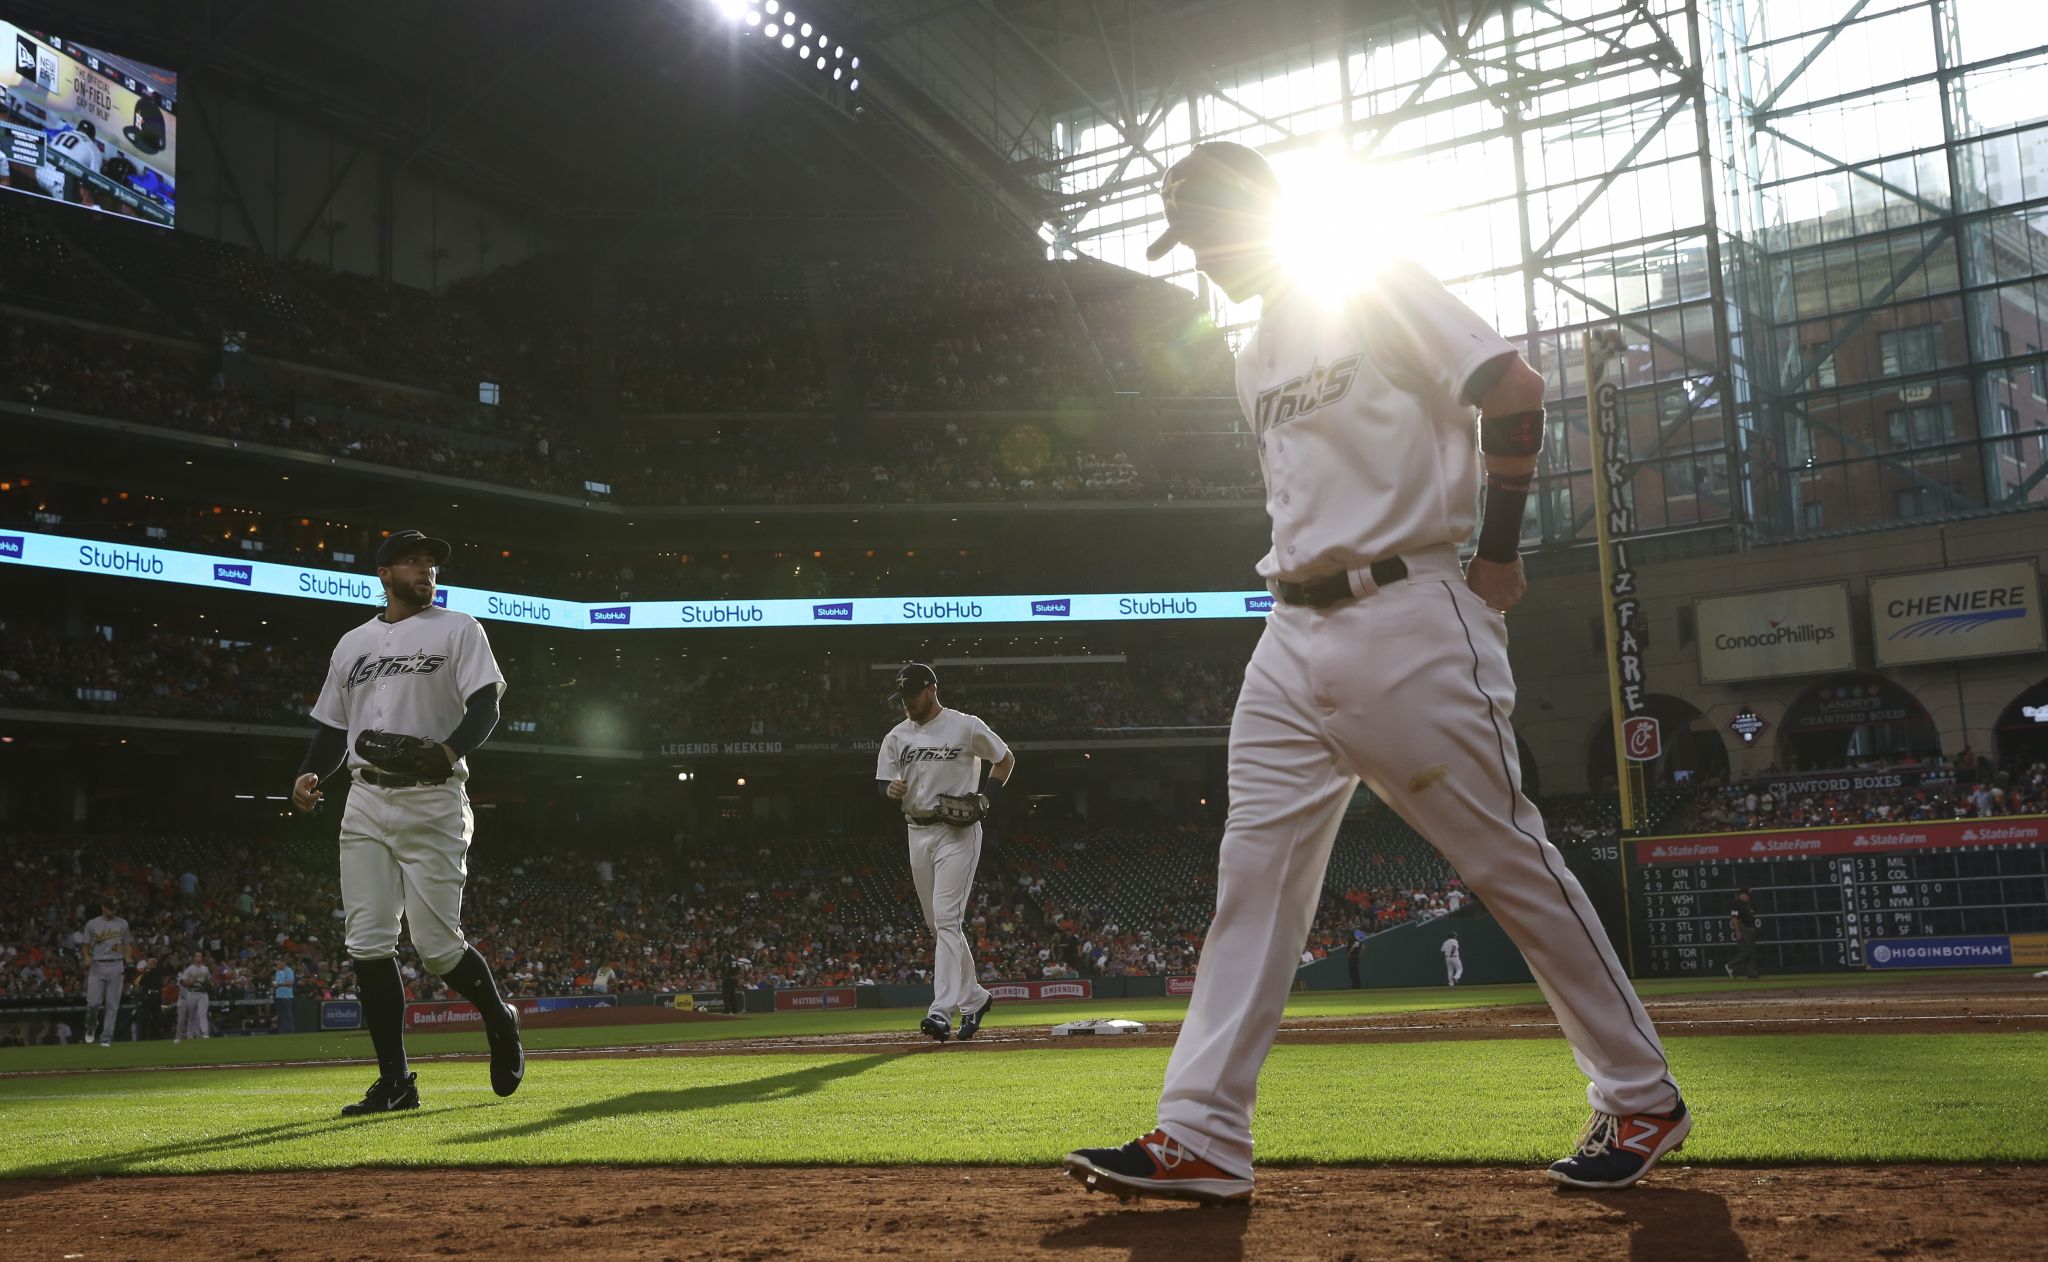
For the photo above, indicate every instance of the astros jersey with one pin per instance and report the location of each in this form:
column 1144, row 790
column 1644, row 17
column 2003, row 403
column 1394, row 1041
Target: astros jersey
column 942, row 756
column 107, row 939
column 412, row 677
column 1358, row 467
column 1450, row 948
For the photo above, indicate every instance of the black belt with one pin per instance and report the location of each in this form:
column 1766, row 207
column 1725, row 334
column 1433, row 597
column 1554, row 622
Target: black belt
column 386, row 780
column 1333, row 589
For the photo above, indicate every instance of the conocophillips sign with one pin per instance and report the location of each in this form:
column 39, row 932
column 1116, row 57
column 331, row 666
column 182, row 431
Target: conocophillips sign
column 1943, row 615
column 1760, row 635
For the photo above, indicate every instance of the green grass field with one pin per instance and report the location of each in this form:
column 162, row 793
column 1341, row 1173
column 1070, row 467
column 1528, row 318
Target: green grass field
column 1758, row 1099
column 353, row 1045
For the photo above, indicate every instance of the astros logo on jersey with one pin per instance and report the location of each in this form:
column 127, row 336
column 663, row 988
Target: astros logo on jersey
column 1319, row 387
column 931, row 754
column 368, row 668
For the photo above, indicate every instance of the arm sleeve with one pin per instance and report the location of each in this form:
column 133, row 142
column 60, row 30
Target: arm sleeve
column 477, row 721
column 475, row 666
column 324, row 754
column 1449, row 339
column 982, row 742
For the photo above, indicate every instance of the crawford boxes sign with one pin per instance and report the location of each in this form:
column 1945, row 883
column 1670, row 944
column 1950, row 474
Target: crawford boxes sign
column 1762, row 635
column 1945, row 615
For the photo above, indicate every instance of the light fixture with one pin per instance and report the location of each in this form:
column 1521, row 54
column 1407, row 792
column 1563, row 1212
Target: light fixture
column 773, row 6
column 854, row 86
column 839, row 50
column 836, row 72
column 771, row 30
column 854, row 64
column 805, row 30
column 788, row 40
column 804, row 52
column 821, row 62
column 753, row 18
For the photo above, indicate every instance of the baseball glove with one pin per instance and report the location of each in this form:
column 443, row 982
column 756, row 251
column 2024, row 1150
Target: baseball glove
column 414, row 756
column 961, row 810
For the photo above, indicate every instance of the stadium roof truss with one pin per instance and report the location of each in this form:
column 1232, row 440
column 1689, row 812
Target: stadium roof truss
column 1822, row 336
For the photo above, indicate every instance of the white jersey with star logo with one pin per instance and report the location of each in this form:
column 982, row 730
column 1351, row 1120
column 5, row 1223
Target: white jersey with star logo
column 414, row 677
column 1358, row 467
column 942, row 756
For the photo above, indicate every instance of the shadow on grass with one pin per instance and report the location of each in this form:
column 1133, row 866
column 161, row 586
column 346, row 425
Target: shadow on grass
column 1675, row 1224
column 1194, row 1233
column 685, row 1099
column 230, row 1141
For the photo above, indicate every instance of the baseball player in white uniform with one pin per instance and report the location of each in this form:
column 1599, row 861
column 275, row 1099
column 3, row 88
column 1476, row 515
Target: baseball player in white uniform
column 420, row 670
column 79, row 143
column 932, row 753
column 108, row 945
column 1382, row 659
column 1454, row 964
column 195, row 992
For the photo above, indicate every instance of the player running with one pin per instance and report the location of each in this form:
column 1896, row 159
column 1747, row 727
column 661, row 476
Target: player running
column 414, row 668
column 108, row 948
column 930, row 764
column 1381, row 659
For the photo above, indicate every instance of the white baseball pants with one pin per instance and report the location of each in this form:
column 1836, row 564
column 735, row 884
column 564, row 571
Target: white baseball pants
column 405, row 855
column 1409, row 688
column 942, row 864
column 102, row 1001
column 192, row 1015
column 1454, row 969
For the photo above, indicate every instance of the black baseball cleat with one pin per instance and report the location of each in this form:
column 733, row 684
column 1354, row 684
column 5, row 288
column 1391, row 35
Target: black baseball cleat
column 970, row 1023
column 508, row 1056
column 937, row 1027
column 386, row 1096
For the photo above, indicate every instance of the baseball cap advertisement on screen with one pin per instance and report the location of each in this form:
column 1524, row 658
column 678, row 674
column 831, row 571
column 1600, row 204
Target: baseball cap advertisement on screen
column 1944, row 615
column 1761, row 635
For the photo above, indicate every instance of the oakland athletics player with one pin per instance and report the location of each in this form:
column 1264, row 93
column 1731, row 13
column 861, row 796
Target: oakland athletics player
column 927, row 763
column 414, row 669
column 195, row 993
column 108, row 945
column 1381, row 659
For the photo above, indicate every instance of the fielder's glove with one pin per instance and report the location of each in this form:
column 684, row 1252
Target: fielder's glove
column 414, row 756
column 961, row 810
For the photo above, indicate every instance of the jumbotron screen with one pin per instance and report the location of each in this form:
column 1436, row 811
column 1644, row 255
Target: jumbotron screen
column 88, row 127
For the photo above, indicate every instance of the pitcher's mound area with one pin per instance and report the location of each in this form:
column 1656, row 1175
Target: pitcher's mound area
column 1680, row 1215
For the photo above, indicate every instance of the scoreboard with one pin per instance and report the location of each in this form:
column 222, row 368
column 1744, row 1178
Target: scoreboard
column 1923, row 894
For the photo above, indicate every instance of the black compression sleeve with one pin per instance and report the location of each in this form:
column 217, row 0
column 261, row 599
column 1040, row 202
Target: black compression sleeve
column 324, row 755
column 882, row 788
column 477, row 721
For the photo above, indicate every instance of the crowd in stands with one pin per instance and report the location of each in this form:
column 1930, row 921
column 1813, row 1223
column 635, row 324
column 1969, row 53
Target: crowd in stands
column 604, row 698
column 1058, row 902
column 1967, row 787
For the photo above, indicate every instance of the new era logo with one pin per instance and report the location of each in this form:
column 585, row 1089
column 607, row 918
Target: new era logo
column 1059, row 608
column 237, row 574
column 612, row 615
column 837, row 611
column 12, row 546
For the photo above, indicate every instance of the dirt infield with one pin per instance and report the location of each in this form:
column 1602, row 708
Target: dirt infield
column 1981, row 1006
column 1680, row 1215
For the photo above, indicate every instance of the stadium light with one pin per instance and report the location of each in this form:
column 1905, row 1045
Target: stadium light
column 854, row 86
column 753, row 18
column 854, row 64
column 839, row 50
column 788, row 40
column 806, row 30
column 773, row 6
column 821, row 62
column 730, row 9
column 804, row 52
column 772, row 30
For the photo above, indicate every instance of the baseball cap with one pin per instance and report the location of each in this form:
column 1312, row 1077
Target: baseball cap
column 1218, row 180
column 400, row 540
column 914, row 678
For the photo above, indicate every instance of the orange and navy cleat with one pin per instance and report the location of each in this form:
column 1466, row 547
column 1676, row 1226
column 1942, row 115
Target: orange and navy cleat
column 1614, row 1151
column 1156, row 1165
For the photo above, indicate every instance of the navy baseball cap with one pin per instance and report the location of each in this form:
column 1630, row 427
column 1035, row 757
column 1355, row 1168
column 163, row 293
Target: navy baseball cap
column 1218, row 183
column 400, row 540
column 914, row 678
